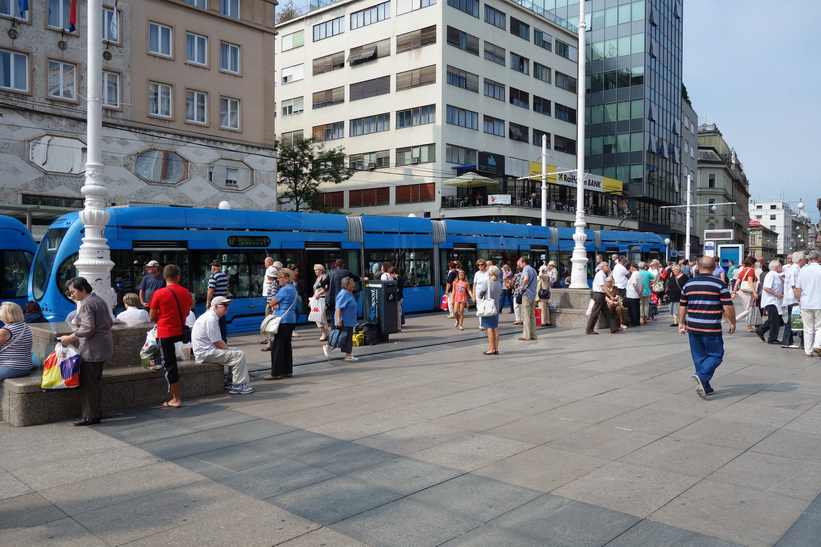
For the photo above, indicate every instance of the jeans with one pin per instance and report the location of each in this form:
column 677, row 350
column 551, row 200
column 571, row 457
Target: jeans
column 8, row 372
column 787, row 339
column 507, row 295
column 708, row 352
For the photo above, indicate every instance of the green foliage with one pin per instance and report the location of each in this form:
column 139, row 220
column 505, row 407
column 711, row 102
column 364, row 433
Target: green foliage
column 287, row 12
column 684, row 95
column 302, row 167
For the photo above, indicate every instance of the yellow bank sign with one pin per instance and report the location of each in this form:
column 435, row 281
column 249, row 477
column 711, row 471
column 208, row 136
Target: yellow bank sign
column 595, row 183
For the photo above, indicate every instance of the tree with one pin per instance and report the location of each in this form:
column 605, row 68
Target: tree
column 302, row 167
column 289, row 11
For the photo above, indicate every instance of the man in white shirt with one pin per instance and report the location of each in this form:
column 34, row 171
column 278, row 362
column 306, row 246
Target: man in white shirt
column 771, row 296
column 808, row 294
column 633, row 292
column 621, row 275
column 208, row 347
column 789, row 274
column 600, row 303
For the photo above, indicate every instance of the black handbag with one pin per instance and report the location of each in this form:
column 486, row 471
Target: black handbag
column 337, row 338
column 544, row 294
column 518, row 298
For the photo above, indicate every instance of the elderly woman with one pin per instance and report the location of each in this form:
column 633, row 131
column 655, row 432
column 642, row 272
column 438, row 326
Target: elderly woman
column 345, row 318
column 93, row 331
column 284, row 305
column 15, row 343
column 746, row 287
column 491, row 323
column 543, row 294
column 132, row 315
column 319, row 292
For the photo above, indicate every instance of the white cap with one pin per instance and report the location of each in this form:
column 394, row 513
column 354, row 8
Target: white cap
column 271, row 272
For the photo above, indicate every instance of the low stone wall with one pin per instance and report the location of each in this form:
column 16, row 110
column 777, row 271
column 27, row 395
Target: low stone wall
column 572, row 307
column 125, row 383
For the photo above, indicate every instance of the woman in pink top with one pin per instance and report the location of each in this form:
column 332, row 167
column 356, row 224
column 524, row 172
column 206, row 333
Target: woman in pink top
column 461, row 288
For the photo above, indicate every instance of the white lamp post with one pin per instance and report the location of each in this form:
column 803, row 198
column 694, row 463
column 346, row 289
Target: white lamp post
column 666, row 250
column 578, row 275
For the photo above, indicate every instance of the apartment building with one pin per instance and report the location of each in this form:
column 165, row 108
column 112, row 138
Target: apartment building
column 441, row 108
column 188, row 111
column 792, row 230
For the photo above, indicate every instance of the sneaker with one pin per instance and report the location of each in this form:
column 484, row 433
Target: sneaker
column 761, row 335
column 708, row 389
column 699, row 387
column 792, row 346
column 240, row 389
column 326, row 349
column 351, row 358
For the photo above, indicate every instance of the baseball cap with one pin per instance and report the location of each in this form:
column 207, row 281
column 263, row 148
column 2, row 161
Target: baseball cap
column 152, row 263
column 219, row 300
column 551, row 263
column 216, row 263
column 271, row 272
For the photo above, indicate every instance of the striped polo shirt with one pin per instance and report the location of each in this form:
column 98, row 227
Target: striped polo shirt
column 218, row 282
column 17, row 355
column 705, row 296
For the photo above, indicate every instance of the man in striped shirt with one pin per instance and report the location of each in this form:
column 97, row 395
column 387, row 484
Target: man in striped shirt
column 218, row 286
column 703, row 301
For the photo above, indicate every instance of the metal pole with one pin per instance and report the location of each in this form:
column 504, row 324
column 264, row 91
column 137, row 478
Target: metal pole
column 94, row 261
column 687, row 223
column 544, row 180
column 578, row 275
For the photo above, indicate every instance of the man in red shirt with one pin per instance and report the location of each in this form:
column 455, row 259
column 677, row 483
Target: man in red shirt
column 169, row 308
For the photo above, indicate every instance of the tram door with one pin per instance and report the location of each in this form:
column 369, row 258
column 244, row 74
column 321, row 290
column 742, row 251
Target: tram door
column 465, row 255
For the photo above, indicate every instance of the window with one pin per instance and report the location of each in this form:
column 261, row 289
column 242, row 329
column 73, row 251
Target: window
column 58, row 154
column 161, row 166
column 541, row 72
column 230, row 8
column 329, row 28
column 406, row 6
column 494, row 126
column 110, row 32
column 495, row 53
column 329, row 97
column 370, row 160
column 463, row 79
column 416, row 39
column 196, row 106
column 291, row 137
column 229, row 57
column 159, row 39
column 9, row 8
column 62, row 80
column 463, row 118
column 334, row 200
column 772, row 217
column 494, row 90
column 159, row 99
column 543, row 39
column 370, row 88
column 369, row 16
column 416, row 116
column 567, row 51
column 563, row 144
column 412, row 155
column 329, row 131
column 519, row 97
column 773, row 207
column 293, row 40
column 329, row 63
column 711, row 183
column 463, row 40
column 293, row 73
column 519, row 63
column 460, row 155
column 293, row 106
column 520, row 29
column 416, row 193
column 58, row 11
column 541, row 105
column 229, row 113
column 537, row 137
column 202, row 4
column 416, row 77
column 369, row 197
column 495, row 17
column 196, row 49
column 369, row 52
column 111, row 90
column 14, row 71
column 369, row 124
column 518, row 132
column 566, row 82
column 562, row 112
column 471, row 7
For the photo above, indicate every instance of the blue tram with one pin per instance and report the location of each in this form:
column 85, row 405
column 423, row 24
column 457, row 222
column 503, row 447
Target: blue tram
column 17, row 249
column 192, row 238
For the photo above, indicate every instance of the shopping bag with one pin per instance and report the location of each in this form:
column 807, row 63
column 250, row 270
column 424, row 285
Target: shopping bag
column 317, row 306
column 149, row 354
column 796, row 320
column 337, row 338
column 590, row 307
column 754, row 317
column 61, row 369
column 444, row 305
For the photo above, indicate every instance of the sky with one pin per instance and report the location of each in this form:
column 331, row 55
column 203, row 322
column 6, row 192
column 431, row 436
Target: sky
column 751, row 67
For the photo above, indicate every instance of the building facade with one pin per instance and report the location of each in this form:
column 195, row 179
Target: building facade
column 795, row 231
column 689, row 167
column 721, row 179
column 763, row 241
column 187, row 105
column 420, row 92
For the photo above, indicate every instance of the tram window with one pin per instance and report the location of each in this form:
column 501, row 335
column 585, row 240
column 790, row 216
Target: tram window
column 414, row 264
column 66, row 272
column 234, row 264
column 15, row 273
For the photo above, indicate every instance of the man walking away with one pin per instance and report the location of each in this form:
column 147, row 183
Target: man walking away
column 771, row 296
column 528, row 288
column 808, row 295
column 703, row 301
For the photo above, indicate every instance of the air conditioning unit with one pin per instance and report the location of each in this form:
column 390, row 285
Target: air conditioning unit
column 371, row 166
column 415, row 160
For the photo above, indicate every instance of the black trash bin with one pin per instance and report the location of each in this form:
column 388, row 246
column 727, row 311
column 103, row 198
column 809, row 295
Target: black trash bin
column 379, row 306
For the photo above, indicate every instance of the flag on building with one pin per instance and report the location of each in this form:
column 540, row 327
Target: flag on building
column 24, row 7
column 72, row 16
column 114, row 26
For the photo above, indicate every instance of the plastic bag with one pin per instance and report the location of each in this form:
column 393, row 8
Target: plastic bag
column 590, row 307
column 61, row 369
column 149, row 354
column 796, row 320
column 317, row 306
column 444, row 304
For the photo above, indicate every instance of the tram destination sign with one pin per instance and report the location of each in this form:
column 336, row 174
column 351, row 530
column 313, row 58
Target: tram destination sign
column 249, row 241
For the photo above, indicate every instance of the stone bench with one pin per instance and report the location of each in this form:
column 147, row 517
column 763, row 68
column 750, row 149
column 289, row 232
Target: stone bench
column 125, row 383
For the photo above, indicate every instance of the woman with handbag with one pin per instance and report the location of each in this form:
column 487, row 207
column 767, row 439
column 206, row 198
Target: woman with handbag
column 284, row 306
column 319, row 297
column 490, row 319
column 746, row 287
column 674, row 287
column 344, row 321
column 15, row 343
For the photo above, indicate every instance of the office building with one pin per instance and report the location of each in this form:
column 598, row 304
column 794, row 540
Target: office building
column 793, row 228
